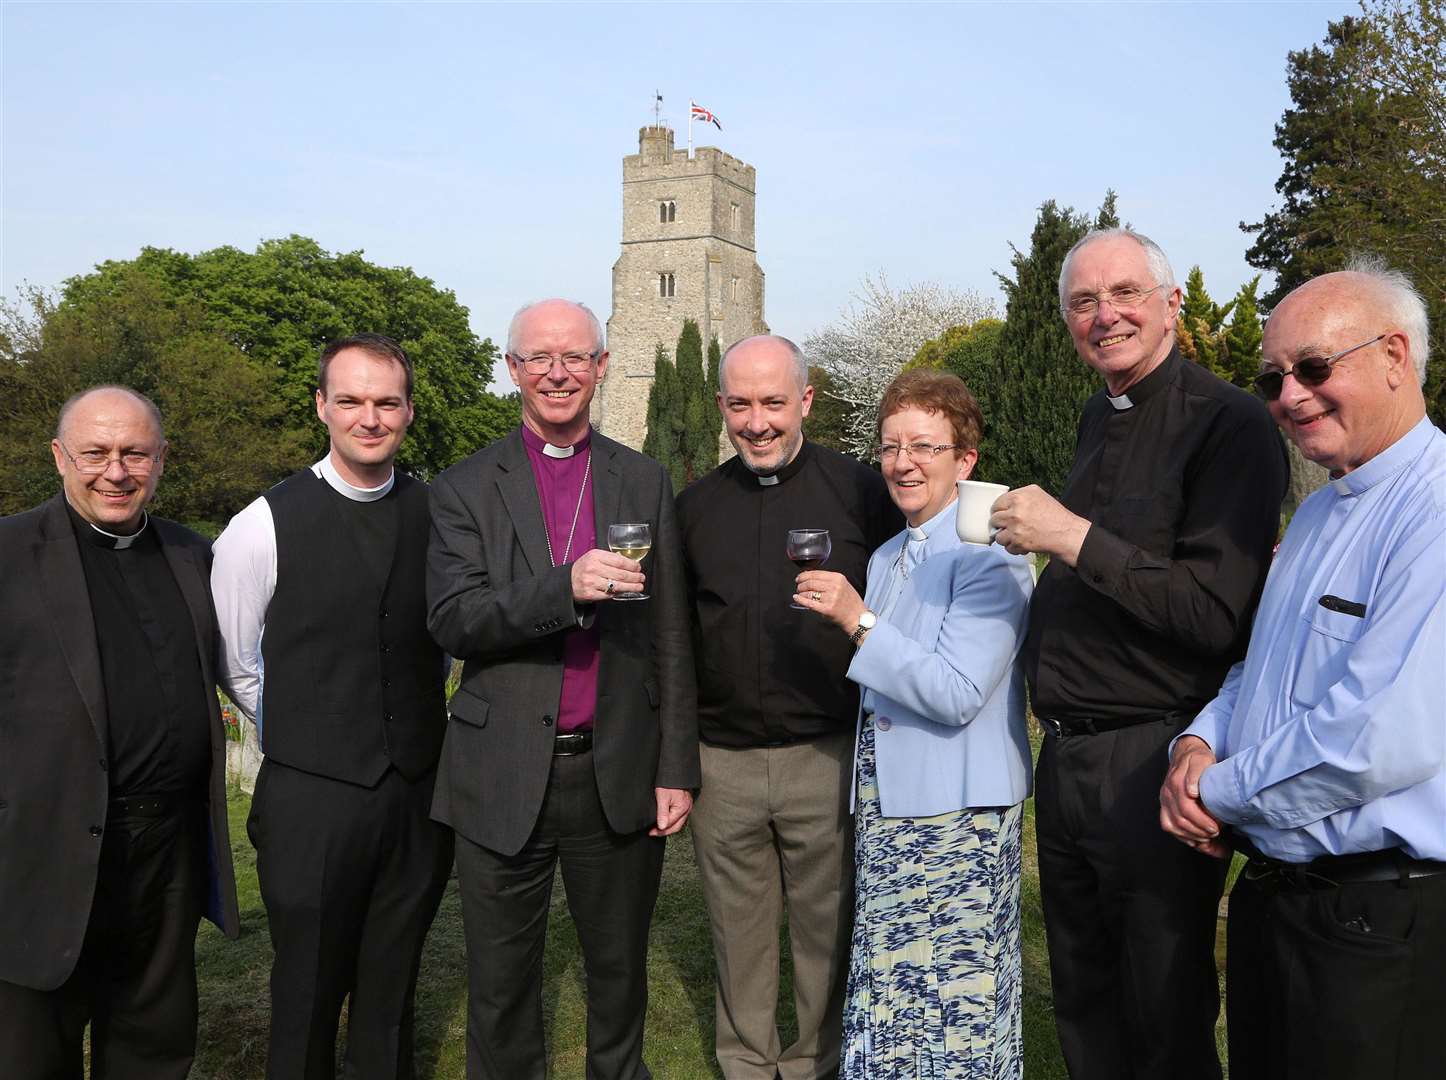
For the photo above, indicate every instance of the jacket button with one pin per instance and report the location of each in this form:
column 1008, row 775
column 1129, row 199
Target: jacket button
column 95, row 830
column 883, row 723
column 386, row 648
column 547, row 721
column 384, row 614
column 390, row 718
column 386, row 683
column 103, row 766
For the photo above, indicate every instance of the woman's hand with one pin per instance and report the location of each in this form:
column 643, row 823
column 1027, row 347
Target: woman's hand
column 831, row 595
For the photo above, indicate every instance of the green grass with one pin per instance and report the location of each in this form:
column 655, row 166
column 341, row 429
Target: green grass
column 679, row 1042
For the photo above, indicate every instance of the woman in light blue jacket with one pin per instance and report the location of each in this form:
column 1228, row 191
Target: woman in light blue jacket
column 942, row 763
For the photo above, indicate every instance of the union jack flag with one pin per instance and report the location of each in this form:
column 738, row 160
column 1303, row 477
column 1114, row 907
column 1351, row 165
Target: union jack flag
column 700, row 113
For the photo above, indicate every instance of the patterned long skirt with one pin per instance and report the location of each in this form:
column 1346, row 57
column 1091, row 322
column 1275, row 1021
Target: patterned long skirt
column 934, row 986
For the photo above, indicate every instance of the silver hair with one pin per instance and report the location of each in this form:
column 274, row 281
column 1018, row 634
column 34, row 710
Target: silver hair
column 800, row 365
column 597, row 330
column 1402, row 306
column 1155, row 257
column 141, row 399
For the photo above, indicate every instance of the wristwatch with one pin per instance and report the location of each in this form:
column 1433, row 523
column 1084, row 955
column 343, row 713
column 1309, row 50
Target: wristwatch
column 866, row 623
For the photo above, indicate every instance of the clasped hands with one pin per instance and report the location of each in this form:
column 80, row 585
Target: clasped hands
column 602, row 575
column 1182, row 813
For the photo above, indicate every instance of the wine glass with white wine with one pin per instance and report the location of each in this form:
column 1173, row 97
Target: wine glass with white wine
column 632, row 541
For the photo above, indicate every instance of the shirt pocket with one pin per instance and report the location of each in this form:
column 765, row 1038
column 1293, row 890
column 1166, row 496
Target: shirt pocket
column 1330, row 638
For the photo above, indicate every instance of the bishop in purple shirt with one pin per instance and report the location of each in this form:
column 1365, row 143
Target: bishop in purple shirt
column 573, row 737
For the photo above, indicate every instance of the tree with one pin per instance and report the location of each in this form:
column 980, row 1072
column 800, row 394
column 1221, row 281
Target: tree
column 973, row 354
column 281, row 303
column 663, row 442
column 1042, row 384
column 229, row 433
column 699, row 440
column 1242, row 338
column 1199, row 329
column 827, row 419
column 1364, row 148
column 876, row 336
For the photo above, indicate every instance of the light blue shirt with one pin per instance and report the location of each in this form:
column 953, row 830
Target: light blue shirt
column 940, row 671
column 1331, row 733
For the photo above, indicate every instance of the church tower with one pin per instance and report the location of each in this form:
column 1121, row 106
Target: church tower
column 687, row 253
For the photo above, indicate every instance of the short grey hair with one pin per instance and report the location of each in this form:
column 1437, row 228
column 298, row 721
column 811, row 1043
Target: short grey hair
column 1401, row 305
column 141, row 399
column 1155, row 257
column 597, row 330
column 800, row 365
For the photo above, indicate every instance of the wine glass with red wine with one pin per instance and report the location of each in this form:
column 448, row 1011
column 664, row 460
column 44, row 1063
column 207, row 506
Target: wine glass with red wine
column 809, row 549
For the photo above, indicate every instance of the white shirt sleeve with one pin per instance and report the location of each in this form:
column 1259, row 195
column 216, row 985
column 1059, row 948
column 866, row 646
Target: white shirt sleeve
column 243, row 577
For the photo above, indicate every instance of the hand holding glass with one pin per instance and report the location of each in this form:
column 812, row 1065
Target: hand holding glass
column 631, row 541
column 809, row 549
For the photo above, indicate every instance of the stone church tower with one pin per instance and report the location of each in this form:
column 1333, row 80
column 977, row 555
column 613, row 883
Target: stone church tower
column 687, row 252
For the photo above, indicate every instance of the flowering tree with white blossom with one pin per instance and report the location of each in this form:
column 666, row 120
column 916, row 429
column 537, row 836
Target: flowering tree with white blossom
column 876, row 335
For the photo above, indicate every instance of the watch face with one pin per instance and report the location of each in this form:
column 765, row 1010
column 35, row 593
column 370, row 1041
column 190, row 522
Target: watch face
column 867, row 620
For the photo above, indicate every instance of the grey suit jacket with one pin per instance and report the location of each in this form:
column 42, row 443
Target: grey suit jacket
column 53, row 741
column 495, row 601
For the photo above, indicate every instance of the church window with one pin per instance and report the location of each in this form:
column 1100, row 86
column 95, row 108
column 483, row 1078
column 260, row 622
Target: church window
column 735, row 288
column 666, row 285
column 667, row 211
column 737, row 217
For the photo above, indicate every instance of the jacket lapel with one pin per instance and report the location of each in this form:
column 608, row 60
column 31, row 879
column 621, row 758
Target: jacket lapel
column 518, row 488
column 67, row 601
column 607, row 488
column 192, row 580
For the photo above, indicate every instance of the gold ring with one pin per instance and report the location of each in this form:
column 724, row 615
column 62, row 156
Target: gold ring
column 818, row 598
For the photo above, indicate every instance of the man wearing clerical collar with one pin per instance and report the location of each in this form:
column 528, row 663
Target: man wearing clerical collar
column 573, row 736
column 1323, row 758
column 1158, row 548
column 776, row 712
column 320, row 591
column 112, row 768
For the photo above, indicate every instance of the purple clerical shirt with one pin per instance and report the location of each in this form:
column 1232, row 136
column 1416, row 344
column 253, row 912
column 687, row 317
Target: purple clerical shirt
column 559, row 487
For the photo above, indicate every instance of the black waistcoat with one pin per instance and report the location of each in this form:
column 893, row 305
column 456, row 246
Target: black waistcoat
column 352, row 681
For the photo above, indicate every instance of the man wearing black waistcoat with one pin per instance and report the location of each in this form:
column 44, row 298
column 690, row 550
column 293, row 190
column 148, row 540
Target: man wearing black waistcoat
column 1158, row 549
column 320, row 592
column 113, row 838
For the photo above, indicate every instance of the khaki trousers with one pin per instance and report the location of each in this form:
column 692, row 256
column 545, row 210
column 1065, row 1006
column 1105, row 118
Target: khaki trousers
column 771, row 826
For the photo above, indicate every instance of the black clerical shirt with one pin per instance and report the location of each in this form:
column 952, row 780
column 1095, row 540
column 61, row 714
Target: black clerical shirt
column 1182, row 479
column 767, row 673
column 155, row 694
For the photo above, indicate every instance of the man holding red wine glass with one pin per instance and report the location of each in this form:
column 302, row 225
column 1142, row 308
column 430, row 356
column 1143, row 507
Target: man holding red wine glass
column 775, row 712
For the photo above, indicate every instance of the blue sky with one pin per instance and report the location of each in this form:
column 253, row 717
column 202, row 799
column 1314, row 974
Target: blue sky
column 481, row 144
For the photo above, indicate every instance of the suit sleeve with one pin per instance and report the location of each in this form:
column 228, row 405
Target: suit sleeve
column 673, row 651
column 468, row 614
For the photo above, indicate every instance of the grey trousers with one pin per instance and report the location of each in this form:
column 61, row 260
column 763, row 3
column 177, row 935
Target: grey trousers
column 771, row 825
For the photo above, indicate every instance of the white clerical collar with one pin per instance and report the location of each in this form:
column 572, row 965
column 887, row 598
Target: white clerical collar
column 548, row 450
column 118, row 542
column 1121, row 403
column 327, row 471
column 766, row 481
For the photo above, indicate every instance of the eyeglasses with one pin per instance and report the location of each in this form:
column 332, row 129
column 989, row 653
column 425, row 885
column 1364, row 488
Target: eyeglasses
column 542, row 363
column 95, row 462
column 1312, row 371
column 1124, row 299
column 920, row 453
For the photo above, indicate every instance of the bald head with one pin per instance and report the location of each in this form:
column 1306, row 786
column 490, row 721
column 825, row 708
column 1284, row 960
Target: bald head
column 770, row 348
column 109, row 398
column 1376, row 296
column 551, row 311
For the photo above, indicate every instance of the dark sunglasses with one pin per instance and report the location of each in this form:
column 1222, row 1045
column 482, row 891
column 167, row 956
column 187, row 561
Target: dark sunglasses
column 1312, row 371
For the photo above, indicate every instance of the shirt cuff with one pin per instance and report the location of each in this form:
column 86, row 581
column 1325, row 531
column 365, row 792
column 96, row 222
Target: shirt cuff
column 1221, row 794
column 1102, row 559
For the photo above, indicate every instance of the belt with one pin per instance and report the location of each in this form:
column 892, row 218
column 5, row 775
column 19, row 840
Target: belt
column 145, row 806
column 1329, row 871
column 1063, row 726
column 572, row 742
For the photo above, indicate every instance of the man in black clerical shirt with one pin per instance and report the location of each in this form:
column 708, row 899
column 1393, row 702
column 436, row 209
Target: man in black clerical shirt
column 320, row 591
column 113, row 838
column 1158, row 550
column 775, row 712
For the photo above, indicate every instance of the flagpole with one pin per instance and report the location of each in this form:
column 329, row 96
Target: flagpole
column 690, row 130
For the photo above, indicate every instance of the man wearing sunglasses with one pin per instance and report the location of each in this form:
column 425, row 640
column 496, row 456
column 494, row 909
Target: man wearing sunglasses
column 1323, row 758
column 113, row 836
column 1158, row 548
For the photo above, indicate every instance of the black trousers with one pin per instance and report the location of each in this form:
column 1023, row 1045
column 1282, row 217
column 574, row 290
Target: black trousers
column 1336, row 983
column 351, row 878
column 135, row 981
column 612, row 884
column 1129, row 912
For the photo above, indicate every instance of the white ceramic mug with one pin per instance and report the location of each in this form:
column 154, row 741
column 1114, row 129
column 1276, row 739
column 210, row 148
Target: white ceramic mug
column 976, row 503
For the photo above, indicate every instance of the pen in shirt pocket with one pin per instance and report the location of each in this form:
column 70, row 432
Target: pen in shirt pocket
column 1345, row 607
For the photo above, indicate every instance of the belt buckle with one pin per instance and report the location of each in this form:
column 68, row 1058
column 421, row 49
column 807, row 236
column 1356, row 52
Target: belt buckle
column 1053, row 726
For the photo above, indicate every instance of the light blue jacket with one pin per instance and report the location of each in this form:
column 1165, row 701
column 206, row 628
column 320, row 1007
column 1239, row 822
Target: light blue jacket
column 948, row 692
